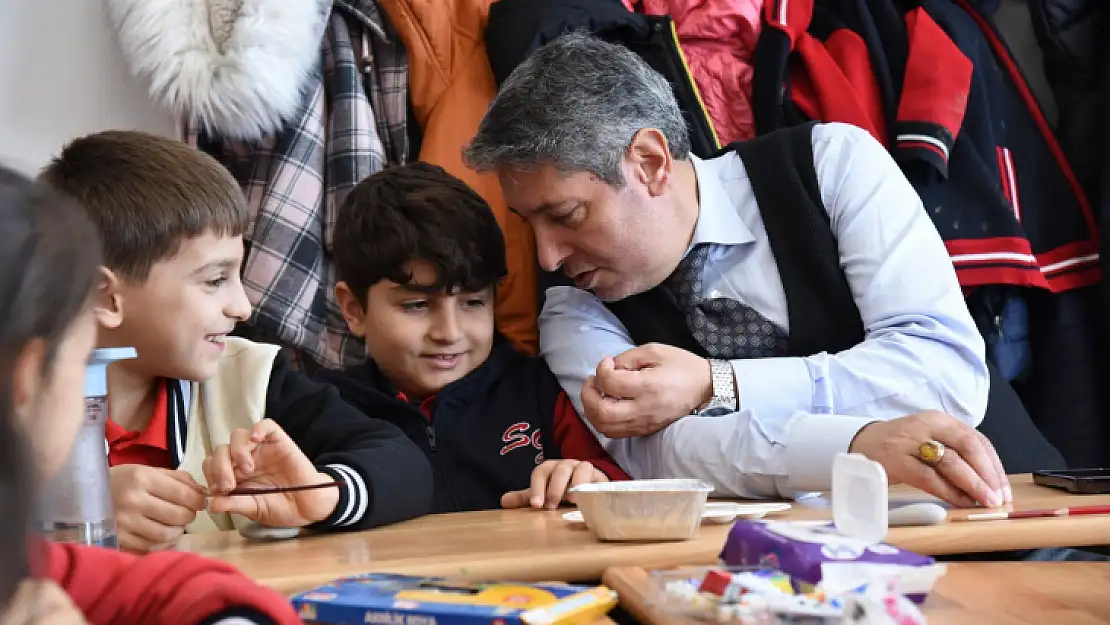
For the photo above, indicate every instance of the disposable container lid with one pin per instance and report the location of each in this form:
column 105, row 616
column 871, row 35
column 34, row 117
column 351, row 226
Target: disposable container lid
column 859, row 498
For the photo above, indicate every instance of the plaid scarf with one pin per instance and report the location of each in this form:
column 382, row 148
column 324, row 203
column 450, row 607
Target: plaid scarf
column 295, row 181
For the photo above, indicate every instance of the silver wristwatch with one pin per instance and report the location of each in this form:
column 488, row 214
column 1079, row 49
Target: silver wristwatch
column 724, row 389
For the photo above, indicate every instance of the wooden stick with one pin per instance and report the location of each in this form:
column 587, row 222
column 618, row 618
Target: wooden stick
column 243, row 492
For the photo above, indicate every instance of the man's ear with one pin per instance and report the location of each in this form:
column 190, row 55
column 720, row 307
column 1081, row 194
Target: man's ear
column 651, row 159
column 109, row 303
column 351, row 308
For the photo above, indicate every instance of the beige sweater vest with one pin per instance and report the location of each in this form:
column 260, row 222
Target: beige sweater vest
column 233, row 398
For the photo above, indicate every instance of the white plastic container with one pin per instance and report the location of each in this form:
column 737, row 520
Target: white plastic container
column 643, row 509
column 860, row 498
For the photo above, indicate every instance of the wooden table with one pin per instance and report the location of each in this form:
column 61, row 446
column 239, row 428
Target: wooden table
column 531, row 545
column 998, row 593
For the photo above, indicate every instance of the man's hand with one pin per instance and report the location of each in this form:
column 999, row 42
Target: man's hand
column 550, row 482
column 645, row 389
column 265, row 457
column 153, row 505
column 969, row 473
column 41, row 602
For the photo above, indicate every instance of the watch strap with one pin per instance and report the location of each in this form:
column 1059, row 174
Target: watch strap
column 724, row 388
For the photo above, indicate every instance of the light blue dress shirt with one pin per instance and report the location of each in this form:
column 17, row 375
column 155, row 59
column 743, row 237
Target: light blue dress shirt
column 922, row 350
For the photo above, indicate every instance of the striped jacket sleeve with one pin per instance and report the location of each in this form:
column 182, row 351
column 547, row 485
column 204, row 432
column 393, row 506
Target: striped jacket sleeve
column 386, row 478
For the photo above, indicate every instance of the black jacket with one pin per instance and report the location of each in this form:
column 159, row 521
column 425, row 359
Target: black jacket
column 517, row 28
column 485, row 433
column 1070, row 34
column 393, row 481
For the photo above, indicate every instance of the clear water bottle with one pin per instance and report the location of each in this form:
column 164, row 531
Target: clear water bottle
column 76, row 506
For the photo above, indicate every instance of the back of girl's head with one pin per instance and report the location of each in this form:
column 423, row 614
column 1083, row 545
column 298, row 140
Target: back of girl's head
column 49, row 258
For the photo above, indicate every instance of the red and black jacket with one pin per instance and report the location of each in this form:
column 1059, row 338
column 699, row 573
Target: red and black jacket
column 933, row 82
column 485, row 433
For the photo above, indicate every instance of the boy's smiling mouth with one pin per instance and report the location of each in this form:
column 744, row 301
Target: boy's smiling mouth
column 443, row 361
column 216, row 340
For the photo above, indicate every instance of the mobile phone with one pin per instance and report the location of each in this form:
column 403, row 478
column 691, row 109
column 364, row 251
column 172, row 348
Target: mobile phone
column 1077, row 481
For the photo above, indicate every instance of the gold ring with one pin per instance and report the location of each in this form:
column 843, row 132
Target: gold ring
column 931, row 452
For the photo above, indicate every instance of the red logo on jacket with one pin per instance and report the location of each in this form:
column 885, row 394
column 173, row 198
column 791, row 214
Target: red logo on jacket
column 517, row 437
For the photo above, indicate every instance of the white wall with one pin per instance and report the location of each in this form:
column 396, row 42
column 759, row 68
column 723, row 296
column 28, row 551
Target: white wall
column 62, row 76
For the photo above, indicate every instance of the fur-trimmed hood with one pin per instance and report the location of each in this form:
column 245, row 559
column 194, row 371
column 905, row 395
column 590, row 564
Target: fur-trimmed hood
column 236, row 67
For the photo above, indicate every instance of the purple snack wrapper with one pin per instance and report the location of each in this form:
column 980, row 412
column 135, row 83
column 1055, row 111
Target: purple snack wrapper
column 799, row 550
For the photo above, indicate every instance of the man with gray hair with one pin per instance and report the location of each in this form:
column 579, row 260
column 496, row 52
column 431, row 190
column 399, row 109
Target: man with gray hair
column 745, row 318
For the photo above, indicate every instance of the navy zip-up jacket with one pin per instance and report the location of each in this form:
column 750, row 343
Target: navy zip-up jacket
column 485, row 433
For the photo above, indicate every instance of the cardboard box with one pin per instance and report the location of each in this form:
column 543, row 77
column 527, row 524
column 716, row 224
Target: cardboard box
column 388, row 599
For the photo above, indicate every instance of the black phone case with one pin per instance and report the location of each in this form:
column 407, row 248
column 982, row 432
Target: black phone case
column 1095, row 482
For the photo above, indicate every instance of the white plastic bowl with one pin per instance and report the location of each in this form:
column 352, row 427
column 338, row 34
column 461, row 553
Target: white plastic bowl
column 643, row 509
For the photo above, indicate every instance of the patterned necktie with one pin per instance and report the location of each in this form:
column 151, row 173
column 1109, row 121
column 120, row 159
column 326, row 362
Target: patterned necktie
column 724, row 327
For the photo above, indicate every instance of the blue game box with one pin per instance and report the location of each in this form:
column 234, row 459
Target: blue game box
column 387, row 599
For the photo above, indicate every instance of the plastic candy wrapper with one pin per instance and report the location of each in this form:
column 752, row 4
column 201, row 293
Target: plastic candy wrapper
column 749, row 596
column 815, row 573
column 880, row 603
column 812, row 554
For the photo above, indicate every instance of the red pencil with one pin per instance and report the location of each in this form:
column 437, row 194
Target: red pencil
column 1039, row 514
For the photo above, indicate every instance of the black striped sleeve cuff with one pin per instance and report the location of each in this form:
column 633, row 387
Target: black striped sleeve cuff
column 925, row 141
column 354, row 497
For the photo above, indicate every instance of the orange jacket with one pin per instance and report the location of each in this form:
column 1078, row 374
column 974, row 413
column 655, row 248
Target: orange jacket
column 451, row 87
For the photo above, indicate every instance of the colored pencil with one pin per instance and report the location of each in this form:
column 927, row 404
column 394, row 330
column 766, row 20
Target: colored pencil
column 1039, row 514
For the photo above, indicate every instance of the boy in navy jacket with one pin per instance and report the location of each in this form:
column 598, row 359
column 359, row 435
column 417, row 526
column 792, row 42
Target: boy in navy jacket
column 419, row 256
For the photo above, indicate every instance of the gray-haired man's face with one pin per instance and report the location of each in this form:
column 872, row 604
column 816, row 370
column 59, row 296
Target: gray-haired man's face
column 613, row 241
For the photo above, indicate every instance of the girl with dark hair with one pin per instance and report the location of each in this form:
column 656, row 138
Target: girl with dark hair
column 49, row 260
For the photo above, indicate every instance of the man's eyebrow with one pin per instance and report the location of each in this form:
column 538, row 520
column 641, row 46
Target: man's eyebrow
column 542, row 208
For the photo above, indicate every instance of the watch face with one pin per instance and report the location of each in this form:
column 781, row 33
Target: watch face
column 716, row 407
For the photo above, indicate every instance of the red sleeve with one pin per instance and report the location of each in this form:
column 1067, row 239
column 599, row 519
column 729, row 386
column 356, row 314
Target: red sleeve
column 933, row 102
column 577, row 441
column 164, row 587
column 834, row 82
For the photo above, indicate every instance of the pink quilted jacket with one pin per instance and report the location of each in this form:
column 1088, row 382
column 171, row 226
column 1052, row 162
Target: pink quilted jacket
column 718, row 38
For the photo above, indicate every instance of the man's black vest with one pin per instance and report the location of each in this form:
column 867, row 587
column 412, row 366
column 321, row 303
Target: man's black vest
column 822, row 312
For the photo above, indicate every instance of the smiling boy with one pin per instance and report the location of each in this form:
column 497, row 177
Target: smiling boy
column 200, row 411
column 420, row 254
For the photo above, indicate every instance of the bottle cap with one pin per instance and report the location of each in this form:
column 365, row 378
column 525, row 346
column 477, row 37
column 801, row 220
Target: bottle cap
column 108, row 355
column 96, row 374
